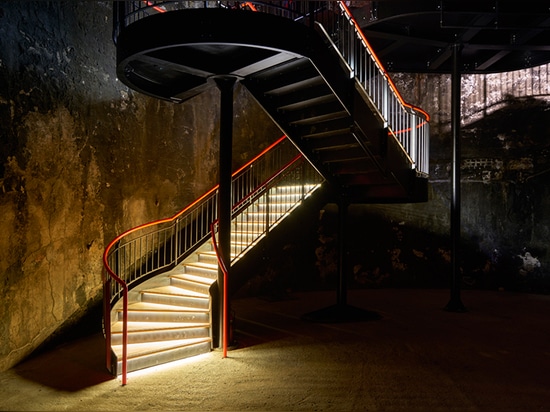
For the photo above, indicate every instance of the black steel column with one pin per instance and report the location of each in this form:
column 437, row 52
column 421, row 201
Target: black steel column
column 226, row 85
column 455, row 303
column 341, row 311
column 342, row 290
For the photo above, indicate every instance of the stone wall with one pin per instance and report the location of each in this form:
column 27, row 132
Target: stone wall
column 83, row 158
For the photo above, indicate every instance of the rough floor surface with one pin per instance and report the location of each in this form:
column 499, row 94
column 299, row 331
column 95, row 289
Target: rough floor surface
column 416, row 357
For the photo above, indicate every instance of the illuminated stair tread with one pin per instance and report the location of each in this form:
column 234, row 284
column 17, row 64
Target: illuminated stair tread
column 142, row 349
column 159, row 307
column 174, row 291
column 156, row 326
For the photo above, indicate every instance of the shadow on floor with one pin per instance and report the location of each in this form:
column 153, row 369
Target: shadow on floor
column 70, row 367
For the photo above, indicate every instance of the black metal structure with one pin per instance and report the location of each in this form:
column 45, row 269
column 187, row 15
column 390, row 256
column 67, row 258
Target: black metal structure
column 418, row 36
column 293, row 72
column 291, row 65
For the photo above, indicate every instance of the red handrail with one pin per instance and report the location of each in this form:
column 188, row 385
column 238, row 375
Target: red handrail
column 225, row 272
column 381, row 66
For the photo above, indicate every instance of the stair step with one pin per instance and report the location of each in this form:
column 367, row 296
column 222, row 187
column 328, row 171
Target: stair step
column 150, row 332
column 314, row 108
column 208, row 257
column 171, row 295
column 314, row 118
column 257, row 226
column 201, row 269
column 307, row 103
column 191, row 277
column 333, row 142
column 243, row 236
column 336, row 133
column 156, row 326
column 191, row 284
column 284, row 200
column 145, row 355
column 153, row 312
column 325, row 128
column 283, row 75
column 309, row 90
column 260, row 217
column 302, row 81
column 241, row 245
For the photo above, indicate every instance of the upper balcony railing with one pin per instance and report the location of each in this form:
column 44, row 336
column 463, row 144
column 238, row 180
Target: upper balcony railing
column 407, row 123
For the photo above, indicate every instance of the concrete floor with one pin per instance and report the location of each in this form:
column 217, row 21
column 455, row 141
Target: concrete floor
column 495, row 357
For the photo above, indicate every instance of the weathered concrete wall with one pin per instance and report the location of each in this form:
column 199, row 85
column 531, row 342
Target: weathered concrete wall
column 82, row 158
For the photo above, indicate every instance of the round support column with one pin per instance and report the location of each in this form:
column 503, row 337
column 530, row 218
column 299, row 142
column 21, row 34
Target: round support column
column 226, row 85
column 455, row 303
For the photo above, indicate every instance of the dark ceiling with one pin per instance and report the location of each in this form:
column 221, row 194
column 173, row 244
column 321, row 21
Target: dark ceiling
column 418, row 35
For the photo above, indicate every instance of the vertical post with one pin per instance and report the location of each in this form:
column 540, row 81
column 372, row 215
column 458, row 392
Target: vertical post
column 175, row 243
column 226, row 85
column 413, row 145
column 455, row 304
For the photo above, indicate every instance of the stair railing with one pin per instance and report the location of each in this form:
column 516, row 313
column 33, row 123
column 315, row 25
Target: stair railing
column 142, row 252
column 290, row 186
column 409, row 124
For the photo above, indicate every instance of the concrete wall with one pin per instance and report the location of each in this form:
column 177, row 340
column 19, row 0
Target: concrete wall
column 83, row 158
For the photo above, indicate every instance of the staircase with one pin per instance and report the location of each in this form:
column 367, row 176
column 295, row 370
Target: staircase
column 165, row 303
column 168, row 316
column 353, row 151
column 313, row 72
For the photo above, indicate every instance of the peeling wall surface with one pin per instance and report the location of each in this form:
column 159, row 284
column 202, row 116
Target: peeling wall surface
column 83, row 158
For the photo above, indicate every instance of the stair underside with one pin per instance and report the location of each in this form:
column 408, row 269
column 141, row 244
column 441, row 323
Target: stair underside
column 295, row 76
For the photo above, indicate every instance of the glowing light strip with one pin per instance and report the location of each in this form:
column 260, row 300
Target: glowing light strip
column 152, row 5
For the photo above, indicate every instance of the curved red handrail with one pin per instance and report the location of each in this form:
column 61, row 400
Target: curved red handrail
column 381, row 66
column 171, row 219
